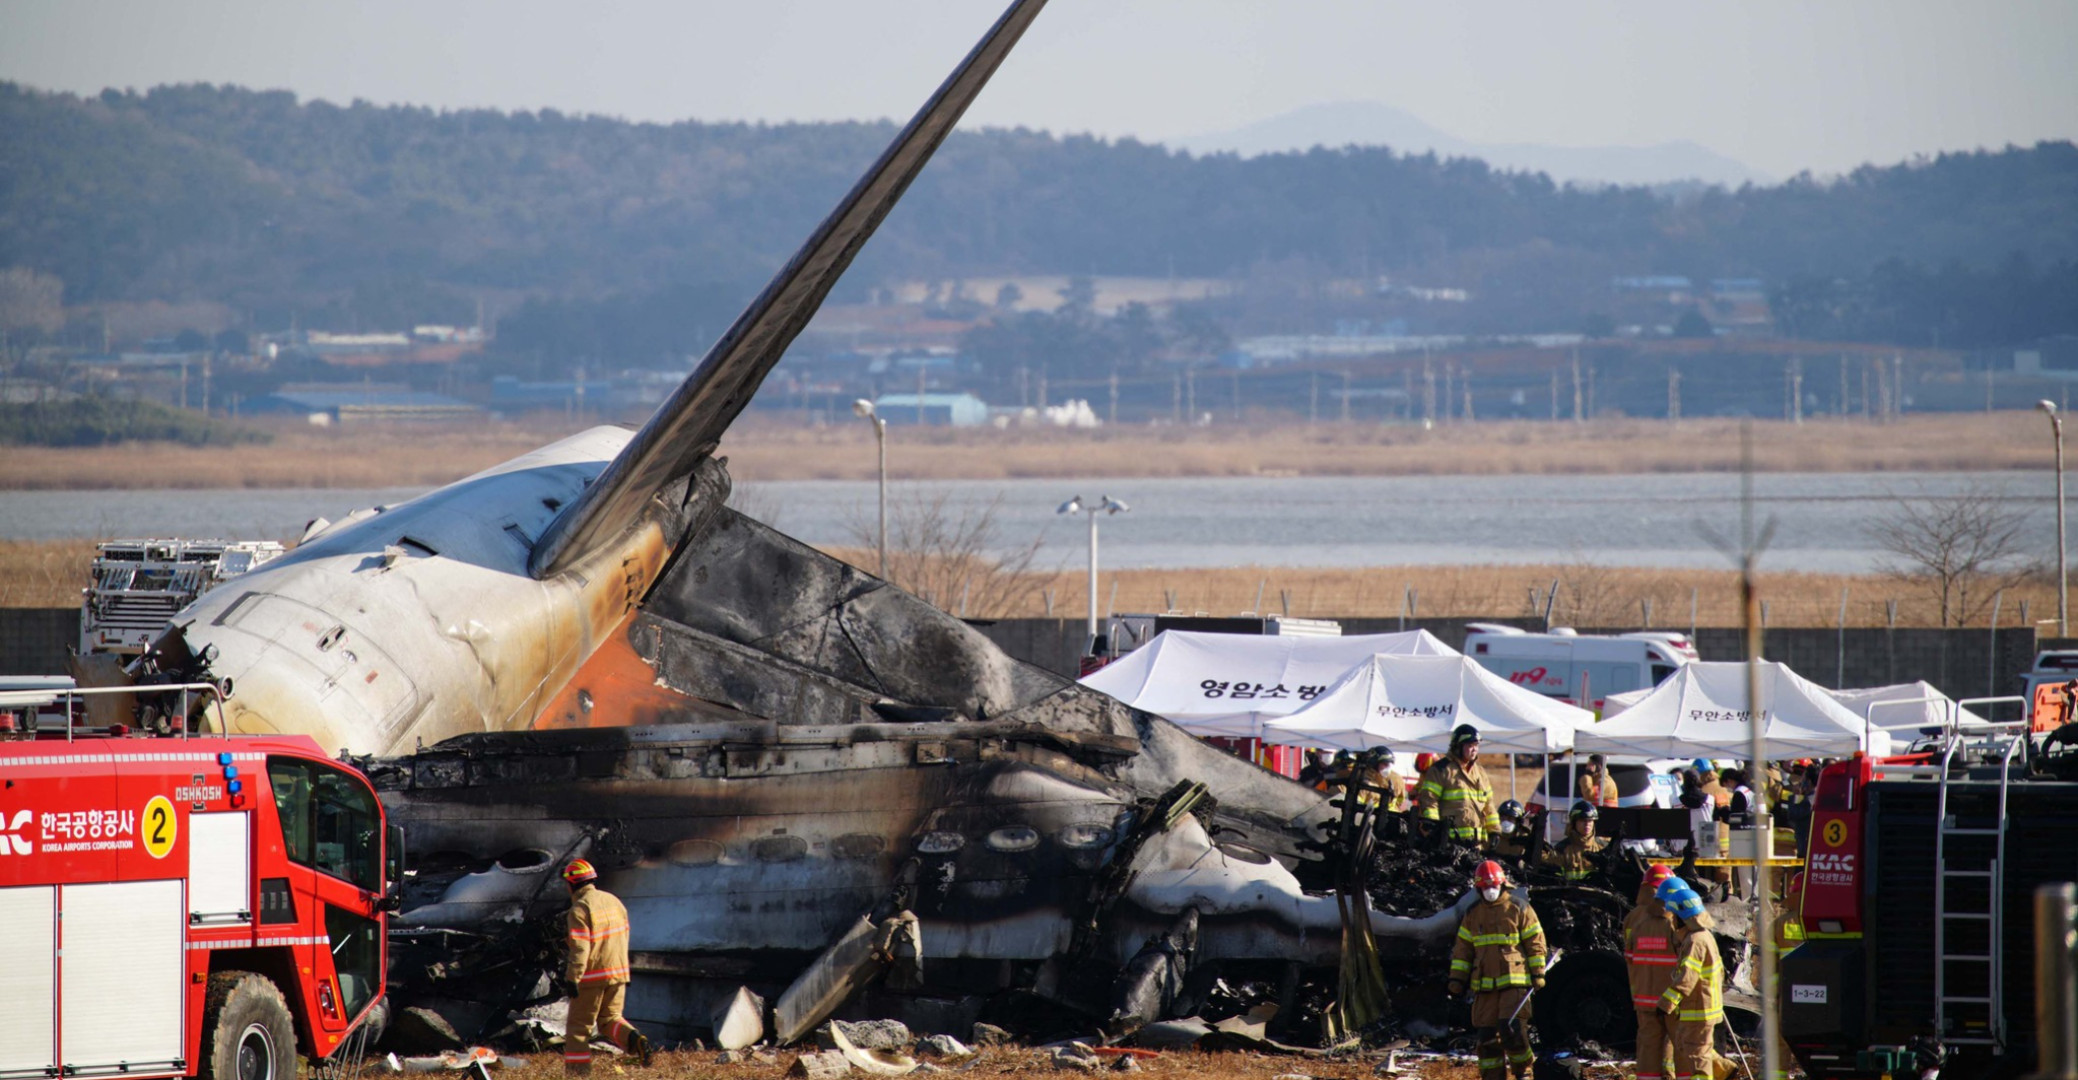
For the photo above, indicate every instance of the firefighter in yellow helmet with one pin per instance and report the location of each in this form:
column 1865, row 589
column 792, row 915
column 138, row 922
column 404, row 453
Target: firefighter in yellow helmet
column 596, row 972
column 1455, row 795
column 1499, row 956
column 1648, row 951
column 1693, row 1003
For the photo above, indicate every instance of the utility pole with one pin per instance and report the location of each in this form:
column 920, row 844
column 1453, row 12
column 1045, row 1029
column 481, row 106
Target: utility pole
column 1840, row 404
column 1428, row 390
column 1465, row 385
column 1111, row 417
column 1578, row 413
column 1897, row 378
column 1345, row 395
column 1176, row 399
column 920, row 372
column 1313, row 399
column 1673, row 394
column 1554, row 395
column 1190, row 394
column 1796, row 389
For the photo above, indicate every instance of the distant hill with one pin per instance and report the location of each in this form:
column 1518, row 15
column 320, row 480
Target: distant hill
column 1369, row 123
column 384, row 216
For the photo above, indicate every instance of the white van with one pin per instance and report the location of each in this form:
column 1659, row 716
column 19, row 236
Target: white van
column 1582, row 669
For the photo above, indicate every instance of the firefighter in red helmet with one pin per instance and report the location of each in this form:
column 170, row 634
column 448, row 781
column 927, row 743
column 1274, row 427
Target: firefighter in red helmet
column 1648, row 951
column 596, row 972
column 1499, row 956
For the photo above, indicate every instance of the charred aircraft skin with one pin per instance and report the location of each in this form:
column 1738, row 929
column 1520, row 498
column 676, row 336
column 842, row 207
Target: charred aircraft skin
column 769, row 773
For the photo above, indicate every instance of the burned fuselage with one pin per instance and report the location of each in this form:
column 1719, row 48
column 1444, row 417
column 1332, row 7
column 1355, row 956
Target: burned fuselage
column 781, row 744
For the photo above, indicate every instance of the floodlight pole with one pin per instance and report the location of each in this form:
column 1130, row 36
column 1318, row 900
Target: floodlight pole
column 2063, row 573
column 1104, row 504
column 1093, row 573
column 864, row 409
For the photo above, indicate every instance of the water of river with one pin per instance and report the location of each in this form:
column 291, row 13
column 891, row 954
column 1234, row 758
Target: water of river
column 1823, row 520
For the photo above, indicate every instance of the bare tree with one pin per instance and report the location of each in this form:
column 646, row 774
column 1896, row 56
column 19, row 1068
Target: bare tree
column 950, row 558
column 1960, row 548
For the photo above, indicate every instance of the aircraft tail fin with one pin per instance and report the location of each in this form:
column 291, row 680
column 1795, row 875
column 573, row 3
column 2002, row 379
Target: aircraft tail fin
column 690, row 424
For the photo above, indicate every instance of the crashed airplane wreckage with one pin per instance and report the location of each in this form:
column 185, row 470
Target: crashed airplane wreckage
column 1041, row 833
column 583, row 651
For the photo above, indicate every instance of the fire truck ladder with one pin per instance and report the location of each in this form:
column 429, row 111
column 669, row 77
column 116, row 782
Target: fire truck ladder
column 1972, row 1019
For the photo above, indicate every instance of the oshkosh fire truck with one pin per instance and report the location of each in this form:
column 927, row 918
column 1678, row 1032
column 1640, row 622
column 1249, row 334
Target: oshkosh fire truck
column 1918, row 904
column 181, row 906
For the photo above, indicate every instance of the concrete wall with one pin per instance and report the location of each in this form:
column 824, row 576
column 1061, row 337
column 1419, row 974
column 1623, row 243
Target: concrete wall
column 34, row 641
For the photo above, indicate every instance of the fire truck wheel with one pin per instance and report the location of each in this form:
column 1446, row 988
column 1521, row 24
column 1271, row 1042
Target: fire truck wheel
column 247, row 1030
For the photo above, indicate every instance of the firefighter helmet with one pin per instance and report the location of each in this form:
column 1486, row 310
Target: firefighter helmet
column 1583, row 809
column 1423, row 761
column 579, row 872
column 1680, row 900
column 1511, row 811
column 1796, row 884
column 1461, row 735
column 1490, row 876
column 1656, row 875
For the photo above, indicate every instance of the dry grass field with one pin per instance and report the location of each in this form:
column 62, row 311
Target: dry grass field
column 302, row 456
column 52, row 573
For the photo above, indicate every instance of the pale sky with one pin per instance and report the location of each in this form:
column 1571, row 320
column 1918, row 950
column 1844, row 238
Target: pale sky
column 1781, row 87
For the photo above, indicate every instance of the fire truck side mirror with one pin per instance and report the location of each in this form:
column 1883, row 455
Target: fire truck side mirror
column 393, row 868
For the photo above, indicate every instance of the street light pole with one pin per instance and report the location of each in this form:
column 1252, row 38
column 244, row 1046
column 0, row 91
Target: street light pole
column 864, row 408
column 1105, row 505
column 2063, row 573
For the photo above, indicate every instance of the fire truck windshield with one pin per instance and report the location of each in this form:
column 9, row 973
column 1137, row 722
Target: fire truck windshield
column 328, row 820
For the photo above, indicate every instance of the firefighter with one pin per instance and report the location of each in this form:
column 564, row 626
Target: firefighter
column 1576, row 856
column 1789, row 933
column 1693, row 1003
column 598, row 970
column 1455, row 795
column 1594, row 784
column 1716, row 800
column 1513, row 840
column 1319, row 771
column 1382, row 787
column 1648, row 951
column 1499, row 956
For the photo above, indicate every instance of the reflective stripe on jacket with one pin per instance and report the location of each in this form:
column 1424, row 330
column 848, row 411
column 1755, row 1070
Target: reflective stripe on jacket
column 1697, row 989
column 1648, row 948
column 1462, row 799
column 1499, row 945
column 598, row 937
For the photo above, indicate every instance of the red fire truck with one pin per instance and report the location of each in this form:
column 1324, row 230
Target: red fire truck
column 179, row 905
column 1918, row 905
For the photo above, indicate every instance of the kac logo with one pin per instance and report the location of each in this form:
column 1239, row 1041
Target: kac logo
column 1823, row 862
column 11, row 840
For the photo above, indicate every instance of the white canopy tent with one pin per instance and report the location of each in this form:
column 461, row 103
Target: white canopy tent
column 1411, row 703
column 1229, row 684
column 1701, row 711
column 1905, row 707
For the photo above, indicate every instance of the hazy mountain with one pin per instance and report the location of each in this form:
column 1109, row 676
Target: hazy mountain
column 1369, row 123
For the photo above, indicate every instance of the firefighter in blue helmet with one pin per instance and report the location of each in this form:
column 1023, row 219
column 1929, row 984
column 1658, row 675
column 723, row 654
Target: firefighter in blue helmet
column 1693, row 1003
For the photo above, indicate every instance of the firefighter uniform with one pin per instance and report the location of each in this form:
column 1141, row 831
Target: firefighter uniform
column 1597, row 790
column 1461, row 799
column 1789, row 933
column 1499, row 955
column 1648, row 950
column 1575, row 856
column 1694, row 1001
column 598, row 965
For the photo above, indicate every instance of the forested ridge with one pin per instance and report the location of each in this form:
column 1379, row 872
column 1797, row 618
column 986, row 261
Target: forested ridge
column 255, row 199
